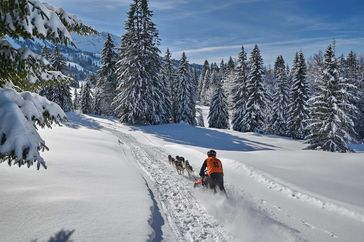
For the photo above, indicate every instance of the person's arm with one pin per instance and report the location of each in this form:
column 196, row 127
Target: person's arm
column 222, row 168
column 203, row 168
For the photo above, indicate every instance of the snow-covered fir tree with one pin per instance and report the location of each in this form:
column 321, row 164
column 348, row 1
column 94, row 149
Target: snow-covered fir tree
column 230, row 65
column 254, row 119
column 106, row 83
column 195, row 77
column 331, row 126
column 315, row 67
column 218, row 113
column 222, row 69
column 97, row 108
column 57, row 60
column 239, row 92
column 229, row 82
column 280, row 98
column 169, row 86
column 87, row 99
column 139, row 96
column 360, row 124
column 199, row 118
column 212, row 79
column 203, row 77
column 76, row 100
column 60, row 91
column 46, row 53
column 186, row 106
column 298, row 111
column 353, row 78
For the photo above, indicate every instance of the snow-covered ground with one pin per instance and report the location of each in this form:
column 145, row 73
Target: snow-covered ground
column 111, row 182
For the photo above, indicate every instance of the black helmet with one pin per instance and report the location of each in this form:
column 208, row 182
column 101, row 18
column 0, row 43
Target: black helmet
column 211, row 153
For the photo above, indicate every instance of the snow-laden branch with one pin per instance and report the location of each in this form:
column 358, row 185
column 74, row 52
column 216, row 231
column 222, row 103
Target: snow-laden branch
column 20, row 142
column 20, row 64
column 33, row 19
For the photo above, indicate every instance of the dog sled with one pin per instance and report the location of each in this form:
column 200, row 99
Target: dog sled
column 201, row 182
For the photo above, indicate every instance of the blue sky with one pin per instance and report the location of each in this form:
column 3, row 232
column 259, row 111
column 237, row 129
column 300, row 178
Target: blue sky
column 216, row 29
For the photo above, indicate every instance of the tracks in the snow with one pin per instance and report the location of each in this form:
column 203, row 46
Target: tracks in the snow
column 188, row 220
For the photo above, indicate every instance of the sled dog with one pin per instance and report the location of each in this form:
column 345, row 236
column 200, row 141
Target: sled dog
column 179, row 167
column 189, row 168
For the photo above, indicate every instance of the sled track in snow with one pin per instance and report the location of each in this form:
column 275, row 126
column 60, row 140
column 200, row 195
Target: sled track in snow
column 188, row 220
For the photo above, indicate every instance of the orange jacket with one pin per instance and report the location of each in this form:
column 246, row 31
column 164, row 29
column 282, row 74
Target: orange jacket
column 213, row 165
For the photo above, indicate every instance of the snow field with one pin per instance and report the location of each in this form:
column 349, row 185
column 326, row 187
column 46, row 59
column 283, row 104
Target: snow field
column 290, row 202
column 98, row 170
column 88, row 187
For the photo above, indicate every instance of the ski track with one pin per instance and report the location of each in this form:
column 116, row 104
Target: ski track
column 189, row 220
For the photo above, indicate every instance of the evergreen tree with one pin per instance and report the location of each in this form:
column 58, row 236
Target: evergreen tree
column 57, row 60
column 218, row 114
column 86, row 99
column 202, row 79
column 315, row 67
column 352, row 76
column 223, row 69
column 230, row 65
column 195, row 78
column 298, row 111
column 80, row 95
column 97, row 108
column 199, row 118
column 60, row 91
column 280, row 98
column 240, row 93
column 213, row 79
column 229, row 82
column 76, row 100
column 169, row 85
column 254, row 119
column 186, row 110
column 45, row 53
column 140, row 97
column 106, row 83
column 206, row 85
column 331, row 125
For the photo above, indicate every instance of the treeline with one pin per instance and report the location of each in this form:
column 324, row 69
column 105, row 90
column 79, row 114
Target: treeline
column 319, row 100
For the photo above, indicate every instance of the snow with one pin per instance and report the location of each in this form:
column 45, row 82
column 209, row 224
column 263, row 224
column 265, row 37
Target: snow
column 91, row 187
column 111, row 182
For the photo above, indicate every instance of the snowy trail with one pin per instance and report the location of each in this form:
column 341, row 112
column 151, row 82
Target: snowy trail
column 188, row 220
column 191, row 214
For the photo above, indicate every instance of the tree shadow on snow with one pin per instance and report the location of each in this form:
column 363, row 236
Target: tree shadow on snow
column 76, row 121
column 60, row 236
column 202, row 137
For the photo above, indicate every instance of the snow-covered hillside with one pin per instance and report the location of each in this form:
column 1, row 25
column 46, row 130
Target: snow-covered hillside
column 110, row 182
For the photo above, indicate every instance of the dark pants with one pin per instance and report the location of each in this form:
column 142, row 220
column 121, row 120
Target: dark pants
column 217, row 179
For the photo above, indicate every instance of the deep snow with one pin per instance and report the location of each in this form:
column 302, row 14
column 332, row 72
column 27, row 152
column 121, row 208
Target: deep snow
column 111, row 182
